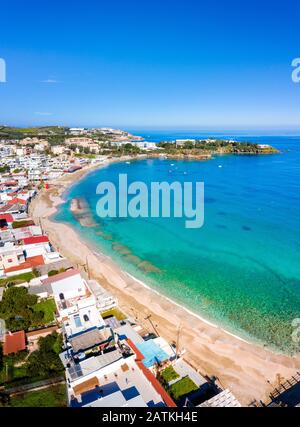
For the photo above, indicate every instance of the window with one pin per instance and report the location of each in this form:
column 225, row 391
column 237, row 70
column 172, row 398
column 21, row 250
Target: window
column 77, row 321
column 86, row 317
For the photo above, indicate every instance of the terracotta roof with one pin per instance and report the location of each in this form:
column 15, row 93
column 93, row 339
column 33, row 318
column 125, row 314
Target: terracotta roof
column 61, row 276
column 35, row 239
column 23, row 266
column 14, row 342
column 10, row 183
column 17, row 201
column 7, row 217
column 36, row 260
column 31, row 262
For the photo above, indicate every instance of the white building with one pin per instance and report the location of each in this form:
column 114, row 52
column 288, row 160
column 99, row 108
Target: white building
column 110, row 377
column 104, row 299
column 58, row 149
column 76, row 305
column 77, row 131
column 145, row 145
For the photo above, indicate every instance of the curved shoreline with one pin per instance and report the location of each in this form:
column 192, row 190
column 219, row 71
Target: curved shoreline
column 242, row 366
column 189, row 311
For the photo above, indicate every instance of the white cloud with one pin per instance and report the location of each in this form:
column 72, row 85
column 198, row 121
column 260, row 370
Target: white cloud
column 43, row 113
column 53, row 81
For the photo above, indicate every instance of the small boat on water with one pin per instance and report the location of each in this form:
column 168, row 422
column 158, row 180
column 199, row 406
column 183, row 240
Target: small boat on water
column 127, row 163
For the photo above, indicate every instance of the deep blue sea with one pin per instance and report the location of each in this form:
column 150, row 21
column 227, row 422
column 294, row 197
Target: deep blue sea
column 241, row 270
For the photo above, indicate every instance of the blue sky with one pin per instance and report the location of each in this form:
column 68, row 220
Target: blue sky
column 150, row 64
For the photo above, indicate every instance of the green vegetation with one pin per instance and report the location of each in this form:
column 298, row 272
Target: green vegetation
column 182, row 388
column 107, row 149
column 113, row 312
column 53, row 133
column 15, row 358
column 23, row 223
column 11, row 367
column 45, row 360
column 54, row 396
column 101, row 137
column 169, row 374
column 203, row 147
column 18, row 309
column 19, row 368
column 48, row 308
column 54, row 272
column 129, row 149
column 16, row 280
column 4, row 169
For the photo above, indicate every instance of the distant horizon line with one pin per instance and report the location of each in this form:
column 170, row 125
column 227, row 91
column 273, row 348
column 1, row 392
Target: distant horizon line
column 268, row 131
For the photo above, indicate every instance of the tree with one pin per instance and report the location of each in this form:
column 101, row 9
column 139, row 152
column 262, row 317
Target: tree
column 16, row 308
column 45, row 361
column 52, row 273
column 4, row 169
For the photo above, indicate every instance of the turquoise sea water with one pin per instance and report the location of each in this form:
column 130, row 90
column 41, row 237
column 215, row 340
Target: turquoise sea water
column 241, row 270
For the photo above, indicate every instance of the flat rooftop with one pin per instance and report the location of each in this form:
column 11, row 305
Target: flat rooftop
column 127, row 331
column 82, row 320
column 89, row 339
column 93, row 364
column 127, row 386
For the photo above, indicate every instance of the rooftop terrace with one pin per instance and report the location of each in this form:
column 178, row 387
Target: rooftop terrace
column 127, row 386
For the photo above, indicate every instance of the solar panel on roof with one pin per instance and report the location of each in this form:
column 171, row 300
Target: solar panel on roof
column 75, row 372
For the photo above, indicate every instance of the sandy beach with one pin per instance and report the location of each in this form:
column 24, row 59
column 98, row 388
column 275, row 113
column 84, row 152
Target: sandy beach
column 250, row 371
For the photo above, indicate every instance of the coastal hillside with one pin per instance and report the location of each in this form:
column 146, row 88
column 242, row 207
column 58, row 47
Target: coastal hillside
column 19, row 133
column 216, row 146
column 116, row 142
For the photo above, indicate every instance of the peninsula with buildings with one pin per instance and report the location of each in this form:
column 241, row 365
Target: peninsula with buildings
column 74, row 331
column 64, row 147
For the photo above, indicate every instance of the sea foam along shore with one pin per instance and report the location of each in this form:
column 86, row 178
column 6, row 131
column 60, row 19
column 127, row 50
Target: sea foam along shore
column 250, row 371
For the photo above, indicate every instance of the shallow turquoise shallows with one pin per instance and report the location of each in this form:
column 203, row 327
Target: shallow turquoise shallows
column 241, row 270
